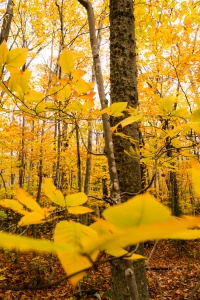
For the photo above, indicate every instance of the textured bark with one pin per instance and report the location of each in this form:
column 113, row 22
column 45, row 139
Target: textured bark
column 7, row 19
column 124, row 88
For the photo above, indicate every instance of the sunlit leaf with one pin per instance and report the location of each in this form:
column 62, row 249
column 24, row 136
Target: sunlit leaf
column 3, row 53
column 53, row 193
column 34, row 96
column 33, row 218
column 115, row 109
column 117, row 252
column 64, row 93
column 78, row 73
column 142, row 209
column 180, row 112
column 79, row 210
column 76, row 199
column 19, row 80
column 187, row 234
column 12, row 241
column 195, row 126
column 131, row 119
column 16, row 57
column 67, row 61
column 14, row 205
column 81, row 86
column 142, row 233
column 28, row 201
column 166, row 104
column 73, row 234
column 40, row 107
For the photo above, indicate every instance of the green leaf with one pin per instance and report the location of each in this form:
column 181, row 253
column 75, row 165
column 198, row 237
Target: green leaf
column 115, row 109
column 142, row 209
column 16, row 58
column 79, row 210
column 52, row 193
column 67, row 61
column 76, row 199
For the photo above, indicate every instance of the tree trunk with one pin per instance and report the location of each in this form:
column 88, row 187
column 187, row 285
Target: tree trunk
column 7, row 19
column 124, row 88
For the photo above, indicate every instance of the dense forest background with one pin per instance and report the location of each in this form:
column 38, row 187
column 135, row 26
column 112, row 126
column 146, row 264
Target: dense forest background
column 53, row 142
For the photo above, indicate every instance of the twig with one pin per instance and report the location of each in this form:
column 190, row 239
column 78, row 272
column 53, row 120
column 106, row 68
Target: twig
column 158, row 283
column 152, row 251
column 194, row 290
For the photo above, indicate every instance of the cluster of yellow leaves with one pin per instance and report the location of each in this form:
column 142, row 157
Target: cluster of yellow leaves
column 140, row 219
column 35, row 214
column 35, row 102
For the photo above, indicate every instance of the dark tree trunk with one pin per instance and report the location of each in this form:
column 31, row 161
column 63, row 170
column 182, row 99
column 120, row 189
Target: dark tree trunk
column 7, row 19
column 123, row 74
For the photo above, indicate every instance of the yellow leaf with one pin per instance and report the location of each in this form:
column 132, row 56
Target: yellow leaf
column 19, row 80
column 79, row 210
column 81, row 86
column 52, row 193
column 114, row 109
column 40, row 107
column 28, row 201
column 14, row 205
column 34, row 96
column 78, row 73
column 2, row 277
column 33, row 218
column 67, row 61
column 4, row 87
column 142, row 209
column 195, row 126
column 118, row 251
column 187, row 235
column 76, row 199
column 166, row 104
column 64, row 93
column 12, row 241
column 105, row 228
column 75, row 105
column 73, row 234
column 3, row 53
column 16, row 57
column 131, row 119
column 142, row 233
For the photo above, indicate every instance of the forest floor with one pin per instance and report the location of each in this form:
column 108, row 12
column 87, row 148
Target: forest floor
column 173, row 274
